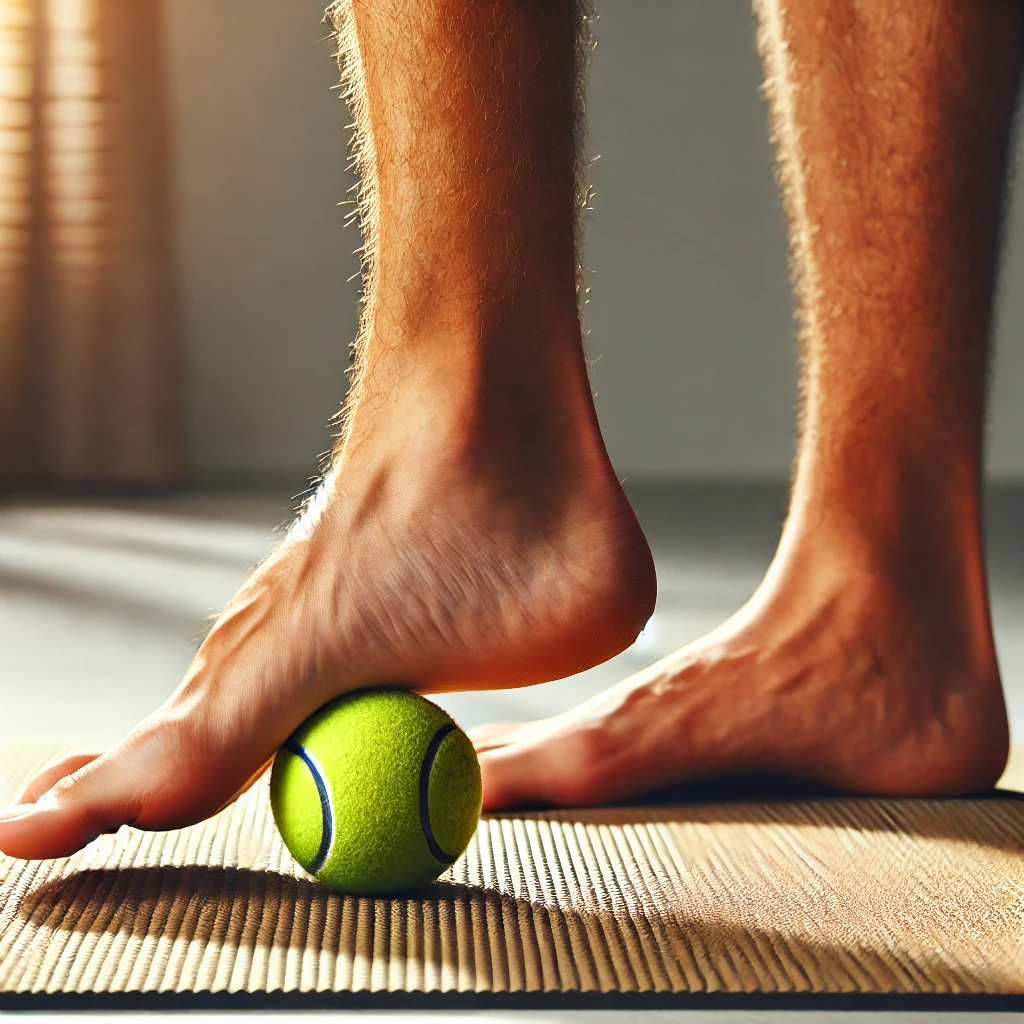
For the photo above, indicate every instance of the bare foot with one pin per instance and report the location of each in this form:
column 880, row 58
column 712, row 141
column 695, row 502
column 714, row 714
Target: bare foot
column 837, row 677
column 434, row 557
column 473, row 533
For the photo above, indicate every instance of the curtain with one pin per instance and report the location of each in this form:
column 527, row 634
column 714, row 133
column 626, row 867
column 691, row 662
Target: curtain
column 90, row 367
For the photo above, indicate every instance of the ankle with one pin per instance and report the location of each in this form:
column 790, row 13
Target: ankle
column 476, row 322
column 899, row 494
column 513, row 395
column 914, row 520
column 926, row 590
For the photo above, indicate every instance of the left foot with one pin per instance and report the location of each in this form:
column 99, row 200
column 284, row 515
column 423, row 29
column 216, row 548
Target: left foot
column 465, row 540
column 851, row 681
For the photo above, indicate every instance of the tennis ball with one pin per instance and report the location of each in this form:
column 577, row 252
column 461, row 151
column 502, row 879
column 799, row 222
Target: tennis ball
column 376, row 793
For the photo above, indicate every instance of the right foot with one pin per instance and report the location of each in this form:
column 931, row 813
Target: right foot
column 865, row 674
column 443, row 553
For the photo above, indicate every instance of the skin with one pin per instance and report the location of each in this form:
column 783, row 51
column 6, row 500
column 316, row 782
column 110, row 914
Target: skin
column 472, row 532
column 865, row 660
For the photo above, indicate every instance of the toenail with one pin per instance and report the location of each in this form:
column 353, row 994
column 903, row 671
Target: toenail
column 45, row 802
column 17, row 811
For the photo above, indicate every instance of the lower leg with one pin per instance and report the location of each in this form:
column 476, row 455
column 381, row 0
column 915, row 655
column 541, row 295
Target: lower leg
column 892, row 131
column 472, row 532
column 865, row 660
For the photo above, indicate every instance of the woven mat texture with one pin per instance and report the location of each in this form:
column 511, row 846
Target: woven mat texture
column 854, row 896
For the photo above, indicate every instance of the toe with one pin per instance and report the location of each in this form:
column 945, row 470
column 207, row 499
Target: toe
column 536, row 770
column 494, row 734
column 566, row 761
column 509, row 777
column 63, row 819
column 164, row 775
column 61, row 767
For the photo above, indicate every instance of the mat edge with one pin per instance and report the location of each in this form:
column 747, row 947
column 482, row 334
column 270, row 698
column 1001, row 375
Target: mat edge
column 285, row 1001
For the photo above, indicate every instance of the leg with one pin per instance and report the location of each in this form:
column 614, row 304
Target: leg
column 472, row 532
column 866, row 658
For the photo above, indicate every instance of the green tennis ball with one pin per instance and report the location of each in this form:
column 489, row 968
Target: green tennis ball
column 377, row 793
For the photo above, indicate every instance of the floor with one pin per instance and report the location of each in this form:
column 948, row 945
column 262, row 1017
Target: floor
column 102, row 604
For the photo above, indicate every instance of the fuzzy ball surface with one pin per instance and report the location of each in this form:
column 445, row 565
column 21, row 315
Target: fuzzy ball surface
column 377, row 793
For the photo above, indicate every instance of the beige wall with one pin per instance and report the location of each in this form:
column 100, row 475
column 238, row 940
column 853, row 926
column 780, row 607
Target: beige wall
column 689, row 315
column 263, row 254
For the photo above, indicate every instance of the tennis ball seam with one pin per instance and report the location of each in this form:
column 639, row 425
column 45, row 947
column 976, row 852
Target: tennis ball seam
column 326, row 810
column 436, row 850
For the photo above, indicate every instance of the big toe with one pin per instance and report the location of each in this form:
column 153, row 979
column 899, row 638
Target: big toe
column 494, row 734
column 538, row 767
column 161, row 776
column 71, row 813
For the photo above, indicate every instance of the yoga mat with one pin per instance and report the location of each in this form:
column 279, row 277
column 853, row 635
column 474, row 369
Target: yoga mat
column 857, row 896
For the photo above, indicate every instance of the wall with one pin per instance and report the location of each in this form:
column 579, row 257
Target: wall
column 263, row 253
column 689, row 318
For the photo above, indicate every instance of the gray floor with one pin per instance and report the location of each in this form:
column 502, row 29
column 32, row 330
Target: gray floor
column 102, row 603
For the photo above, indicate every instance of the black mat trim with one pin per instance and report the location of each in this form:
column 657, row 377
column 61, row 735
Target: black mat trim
column 635, row 1001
